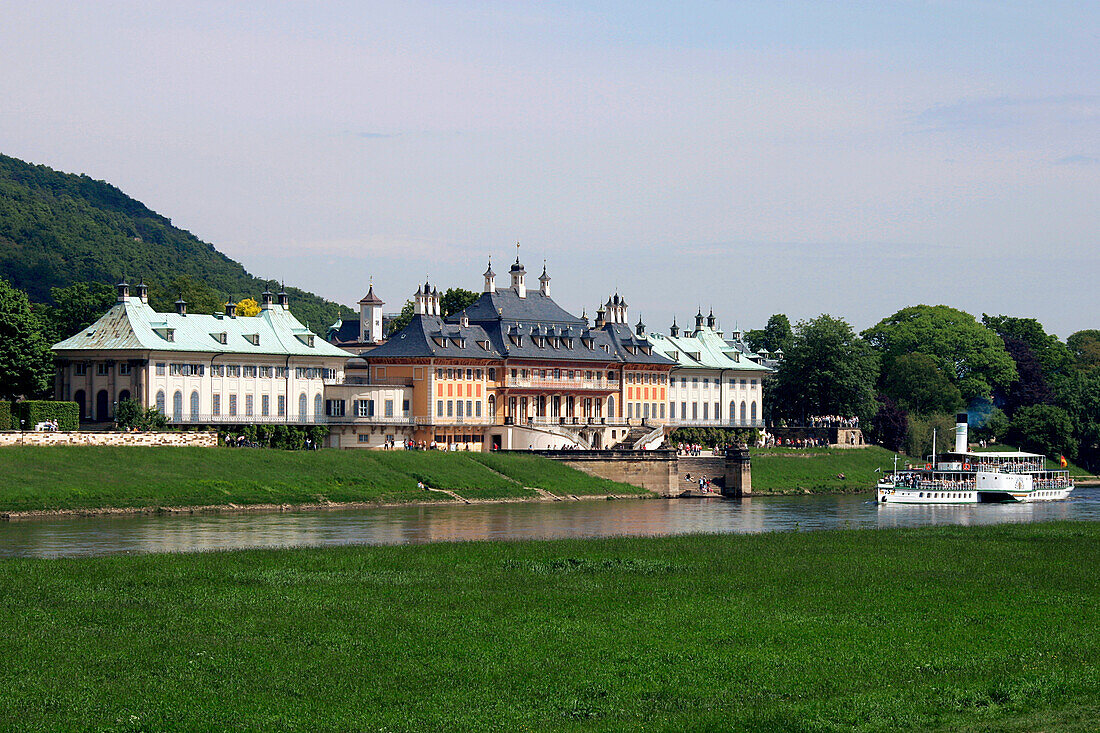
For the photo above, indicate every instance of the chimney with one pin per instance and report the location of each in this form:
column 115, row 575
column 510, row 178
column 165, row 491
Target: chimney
column 961, row 444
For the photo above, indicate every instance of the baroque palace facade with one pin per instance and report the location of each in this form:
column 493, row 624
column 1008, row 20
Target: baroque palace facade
column 513, row 370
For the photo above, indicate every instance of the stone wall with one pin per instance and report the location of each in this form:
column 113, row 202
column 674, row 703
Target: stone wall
column 654, row 470
column 697, row 467
column 198, row 439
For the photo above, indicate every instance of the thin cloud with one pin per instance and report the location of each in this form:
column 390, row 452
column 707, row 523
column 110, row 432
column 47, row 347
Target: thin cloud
column 1000, row 112
column 1078, row 159
column 372, row 135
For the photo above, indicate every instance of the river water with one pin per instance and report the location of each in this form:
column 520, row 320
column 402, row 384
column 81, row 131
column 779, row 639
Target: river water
column 74, row 536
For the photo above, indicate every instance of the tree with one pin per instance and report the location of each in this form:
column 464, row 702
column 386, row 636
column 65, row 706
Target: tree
column 970, row 354
column 1085, row 348
column 200, row 297
column 26, row 362
column 775, row 336
column 919, row 386
column 891, row 424
column 248, row 307
column 456, row 299
column 399, row 324
column 1052, row 354
column 1043, row 429
column 827, row 371
column 1079, row 395
column 1031, row 388
column 76, row 307
column 922, row 429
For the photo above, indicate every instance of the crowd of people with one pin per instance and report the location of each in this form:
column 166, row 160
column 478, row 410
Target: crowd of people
column 47, row 426
column 832, row 421
column 767, row 440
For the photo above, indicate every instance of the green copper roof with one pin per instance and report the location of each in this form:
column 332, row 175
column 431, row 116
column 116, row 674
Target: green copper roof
column 132, row 324
column 703, row 349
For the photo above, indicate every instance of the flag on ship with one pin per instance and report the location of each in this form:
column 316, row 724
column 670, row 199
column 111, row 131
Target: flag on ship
column 1063, row 461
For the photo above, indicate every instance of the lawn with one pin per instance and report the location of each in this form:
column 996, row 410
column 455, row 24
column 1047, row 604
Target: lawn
column 950, row 628
column 71, row 477
column 792, row 470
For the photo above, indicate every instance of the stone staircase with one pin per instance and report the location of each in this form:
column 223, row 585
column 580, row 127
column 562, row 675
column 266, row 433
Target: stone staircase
column 632, row 436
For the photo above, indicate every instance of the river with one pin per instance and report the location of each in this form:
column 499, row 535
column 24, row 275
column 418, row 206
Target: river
column 76, row 536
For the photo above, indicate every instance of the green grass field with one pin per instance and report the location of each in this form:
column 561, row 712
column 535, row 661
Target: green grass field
column 43, row 478
column 792, row 470
column 952, row 628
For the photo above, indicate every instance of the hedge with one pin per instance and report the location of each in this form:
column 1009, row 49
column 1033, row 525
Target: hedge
column 5, row 415
column 32, row 412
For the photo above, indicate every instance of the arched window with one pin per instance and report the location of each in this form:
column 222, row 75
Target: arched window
column 79, row 399
column 124, row 395
column 733, row 411
column 160, row 401
column 611, row 406
column 302, row 405
column 492, row 406
column 177, row 405
column 743, row 407
column 752, row 410
column 318, row 405
column 102, row 406
column 195, row 406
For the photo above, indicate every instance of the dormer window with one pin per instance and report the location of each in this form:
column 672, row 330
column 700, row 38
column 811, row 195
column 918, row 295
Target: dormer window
column 254, row 339
column 440, row 341
column 221, row 338
column 170, row 334
column 305, row 338
column 606, row 348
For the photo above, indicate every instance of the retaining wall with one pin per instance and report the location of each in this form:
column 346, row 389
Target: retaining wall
column 198, row 439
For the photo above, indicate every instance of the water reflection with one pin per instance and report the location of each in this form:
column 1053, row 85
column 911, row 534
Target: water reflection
column 389, row 526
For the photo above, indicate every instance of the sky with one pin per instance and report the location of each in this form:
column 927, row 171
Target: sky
column 851, row 158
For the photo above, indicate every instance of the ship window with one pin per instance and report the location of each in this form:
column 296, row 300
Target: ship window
column 920, row 495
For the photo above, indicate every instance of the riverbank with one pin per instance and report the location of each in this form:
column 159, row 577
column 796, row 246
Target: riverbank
column 77, row 479
column 785, row 471
column 844, row 630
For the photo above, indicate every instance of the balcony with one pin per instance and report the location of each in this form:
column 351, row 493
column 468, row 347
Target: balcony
column 455, row 420
column 562, row 384
column 356, row 381
column 715, row 423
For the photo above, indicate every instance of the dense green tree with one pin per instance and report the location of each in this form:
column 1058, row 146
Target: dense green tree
column 26, row 362
column 57, row 229
column 1031, row 388
column 397, row 325
column 130, row 414
column 920, row 386
column 890, row 425
column 77, row 307
column 1045, row 429
column 1085, row 348
column 1050, row 352
column 972, row 355
column 455, row 299
column 827, row 371
column 1079, row 395
column 776, row 335
column 923, row 428
column 200, row 297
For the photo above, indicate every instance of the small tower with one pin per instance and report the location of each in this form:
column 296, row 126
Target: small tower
column 584, row 316
column 123, row 291
column 622, row 311
column 544, row 281
column 601, row 319
column 711, row 320
column 420, row 301
column 639, row 329
column 519, row 276
column 699, row 322
column 490, row 278
column 231, row 309
column 284, row 299
column 370, row 317
column 181, row 306
column 143, row 291
column 673, row 330
column 266, row 300
column 436, row 309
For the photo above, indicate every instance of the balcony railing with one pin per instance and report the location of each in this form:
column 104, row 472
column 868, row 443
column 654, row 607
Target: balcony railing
column 716, row 423
column 436, row 420
column 369, row 382
column 561, row 383
column 204, row 419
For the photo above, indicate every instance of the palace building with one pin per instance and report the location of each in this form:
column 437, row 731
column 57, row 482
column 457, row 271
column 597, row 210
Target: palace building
column 716, row 382
column 512, row 370
column 199, row 369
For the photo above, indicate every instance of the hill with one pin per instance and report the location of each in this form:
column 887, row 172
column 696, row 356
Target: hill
column 59, row 228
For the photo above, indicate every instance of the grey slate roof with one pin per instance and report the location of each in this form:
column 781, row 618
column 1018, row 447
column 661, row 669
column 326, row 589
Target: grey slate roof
column 514, row 328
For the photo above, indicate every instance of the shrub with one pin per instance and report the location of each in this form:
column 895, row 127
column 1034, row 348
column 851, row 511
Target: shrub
column 31, row 412
column 5, row 415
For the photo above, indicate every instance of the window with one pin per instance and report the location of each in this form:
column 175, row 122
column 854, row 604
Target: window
column 177, row 405
column 282, row 372
column 733, row 382
column 160, row 368
column 706, row 383
column 217, row 370
column 302, row 405
column 492, row 374
column 439, row 374
column 450, row 374
column 450, row 408
column 469, row 408
column 388, row 407
column 459, row 408
column 364, row 408
column 706, row 410
column 683, row 381
column 671, row 411
column 265, row 372
column 248, row 400
column 125, row 368
column 717, row 411
column 694, row 410
column 102, row 369
column 250, row 372
column 754, row 384
column 742, row 412
column 232, row 405
column 215, row 404
column 630, row 411
column 280, row 405
column 364, row 438
column 317, row 404
column 334, row 408
column 752, row 412
column 404, row 408
column 683, row 410
column 233, row 370
column 477, row 374
column 439, row 408
column 194, row 406
column 743, row 384
column 695, row 381
column 160, row 401
column 662, row 410
column 477, row 409
column 265, row 405
column 469, row 374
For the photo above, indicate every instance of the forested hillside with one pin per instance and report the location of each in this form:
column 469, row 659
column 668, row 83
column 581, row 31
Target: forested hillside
column 57, row 229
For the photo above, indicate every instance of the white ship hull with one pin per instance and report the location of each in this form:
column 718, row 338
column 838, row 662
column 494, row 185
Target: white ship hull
column 889, row 494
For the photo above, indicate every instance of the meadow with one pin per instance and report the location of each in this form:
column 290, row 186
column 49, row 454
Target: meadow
column 986, row 628
column 77, row 477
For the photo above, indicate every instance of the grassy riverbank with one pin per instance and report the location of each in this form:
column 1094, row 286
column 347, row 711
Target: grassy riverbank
column 948, row 628
column 69, row 477
column 818, row 470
